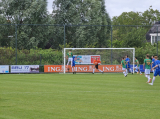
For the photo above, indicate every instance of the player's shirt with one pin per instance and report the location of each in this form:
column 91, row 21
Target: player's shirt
column 153, row 62
column 96, row 62
column 123, row 63
column 157, row 62
column 137, row 62
column 127, row 59
column 69, row 55
column 128, row 63
column 147, row 63
column 73, row 59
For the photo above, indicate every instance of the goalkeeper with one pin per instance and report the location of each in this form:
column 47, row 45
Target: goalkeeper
column 96, row 62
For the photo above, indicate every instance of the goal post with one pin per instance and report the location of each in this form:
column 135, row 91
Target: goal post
column 75, row 49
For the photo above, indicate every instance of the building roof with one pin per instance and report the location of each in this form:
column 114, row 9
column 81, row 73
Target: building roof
column 153, row 30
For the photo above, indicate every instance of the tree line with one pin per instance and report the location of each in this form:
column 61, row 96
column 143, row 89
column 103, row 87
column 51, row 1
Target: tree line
column 49, row 31
column 72, row 23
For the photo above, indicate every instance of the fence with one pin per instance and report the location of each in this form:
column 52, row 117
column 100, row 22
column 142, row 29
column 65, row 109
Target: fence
column 24, row 43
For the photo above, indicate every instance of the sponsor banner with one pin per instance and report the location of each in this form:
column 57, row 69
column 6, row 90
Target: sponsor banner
column 82, row 68
column 24, row 68
column 86, row 59
column 4, row 68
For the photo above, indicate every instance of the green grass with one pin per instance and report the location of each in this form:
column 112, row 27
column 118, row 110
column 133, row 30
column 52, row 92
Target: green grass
column 80, row 96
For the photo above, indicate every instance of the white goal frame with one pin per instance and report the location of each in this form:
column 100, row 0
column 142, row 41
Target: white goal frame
column 64, row 53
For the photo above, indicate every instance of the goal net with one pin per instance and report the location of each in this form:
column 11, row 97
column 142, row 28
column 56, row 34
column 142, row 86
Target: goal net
column 110, row 59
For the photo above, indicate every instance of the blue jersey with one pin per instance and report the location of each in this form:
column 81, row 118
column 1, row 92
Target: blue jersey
column 127, row 59
column 157, row 71
column 128, row 63
column 157, row 62
column 153, row 62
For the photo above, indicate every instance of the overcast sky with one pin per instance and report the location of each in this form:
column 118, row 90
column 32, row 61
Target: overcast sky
column 117, row 7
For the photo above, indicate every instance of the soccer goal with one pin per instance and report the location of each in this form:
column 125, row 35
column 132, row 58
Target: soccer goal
column 110, row 58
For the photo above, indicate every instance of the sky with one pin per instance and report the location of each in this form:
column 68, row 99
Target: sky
column 117, row 7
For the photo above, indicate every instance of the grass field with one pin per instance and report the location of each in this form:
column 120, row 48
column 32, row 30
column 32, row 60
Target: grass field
column 79, row 96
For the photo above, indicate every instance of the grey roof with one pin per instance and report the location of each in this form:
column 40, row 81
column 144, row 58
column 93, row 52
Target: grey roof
column 153, row 30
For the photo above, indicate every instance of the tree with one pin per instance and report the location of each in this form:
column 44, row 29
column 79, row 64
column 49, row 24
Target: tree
column 133, row 34
column 31, row 12
column 149, row 17
column 84, row 14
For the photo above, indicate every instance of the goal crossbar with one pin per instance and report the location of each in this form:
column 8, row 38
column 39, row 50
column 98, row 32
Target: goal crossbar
column 98, row 49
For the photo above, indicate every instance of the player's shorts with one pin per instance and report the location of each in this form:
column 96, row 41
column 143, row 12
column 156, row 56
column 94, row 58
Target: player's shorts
column 70, row 59
column 157, row 72
column 128, row 66
column 96, row 66
column 136, row 67
column 73, row 64
column 147, row 71
column 123, row 69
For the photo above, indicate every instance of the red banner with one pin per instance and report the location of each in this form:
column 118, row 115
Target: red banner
column 82, row 68
column 93, row 58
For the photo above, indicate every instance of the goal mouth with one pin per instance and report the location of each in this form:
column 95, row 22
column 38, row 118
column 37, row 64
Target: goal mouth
column 109, row 57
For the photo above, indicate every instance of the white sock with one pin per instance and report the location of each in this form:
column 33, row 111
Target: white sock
column 71, row 63
column 100, row 70
column 140, row 72
column 135, row 70
column 148, row 78
column 74, row 69
column 154, row 78
column 93, row 70
column 153, row 72
column 124, row 73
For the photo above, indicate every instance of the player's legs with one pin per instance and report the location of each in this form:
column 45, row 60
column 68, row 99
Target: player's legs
column 135, row 69
column 153, row 72
column 139, row 70
column 130, row 68
column 71, row 63
column 154, row 76
column 124, row 71
column 73, row 68
column 147, row 72
column 94, row 70
column 69, row 60
column 99, row 70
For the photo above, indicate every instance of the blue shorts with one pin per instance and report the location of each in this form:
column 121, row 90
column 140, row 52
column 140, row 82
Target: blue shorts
column 128, row 66
column 73, row 65
column 157, row 72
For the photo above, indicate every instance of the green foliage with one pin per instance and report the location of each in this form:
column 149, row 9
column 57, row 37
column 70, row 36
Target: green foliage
column 87, row 12
column 147, row 49
column 26, row 12
column 132, row 35
column 30, row 57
